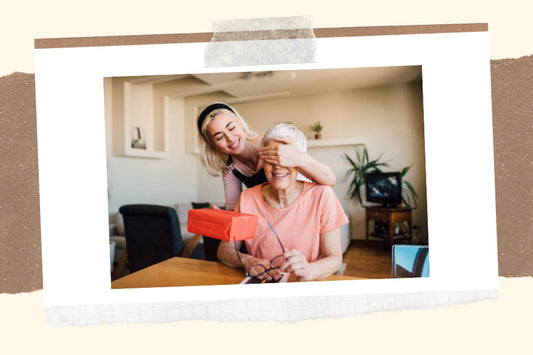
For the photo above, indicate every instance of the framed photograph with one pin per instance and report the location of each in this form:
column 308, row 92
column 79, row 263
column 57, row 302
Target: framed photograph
column 418, row 100
column 137, row 138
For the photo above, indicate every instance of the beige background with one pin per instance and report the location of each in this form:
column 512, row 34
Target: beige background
column 491, row 326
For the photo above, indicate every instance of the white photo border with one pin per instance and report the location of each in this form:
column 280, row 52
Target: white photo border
column 73, row 179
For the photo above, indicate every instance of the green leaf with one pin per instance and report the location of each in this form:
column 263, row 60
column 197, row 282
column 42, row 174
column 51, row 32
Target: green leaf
column 405, row 202
column 405, row 170
column 411, row 193
column 411, row 188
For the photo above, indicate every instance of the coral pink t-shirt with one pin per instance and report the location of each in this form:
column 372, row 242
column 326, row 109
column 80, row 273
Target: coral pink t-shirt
column 317, row 210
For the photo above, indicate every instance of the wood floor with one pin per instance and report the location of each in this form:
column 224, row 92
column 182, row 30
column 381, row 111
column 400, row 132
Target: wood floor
column 368, row 259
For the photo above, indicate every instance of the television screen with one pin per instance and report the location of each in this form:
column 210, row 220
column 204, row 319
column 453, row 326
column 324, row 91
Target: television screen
column 384, row 188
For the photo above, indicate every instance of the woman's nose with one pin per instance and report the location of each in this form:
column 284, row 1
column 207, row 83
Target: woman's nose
column 230, row 137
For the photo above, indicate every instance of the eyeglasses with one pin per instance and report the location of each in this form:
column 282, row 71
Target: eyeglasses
column 257, row 270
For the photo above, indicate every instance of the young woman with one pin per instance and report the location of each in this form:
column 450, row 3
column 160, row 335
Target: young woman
column 230, row 148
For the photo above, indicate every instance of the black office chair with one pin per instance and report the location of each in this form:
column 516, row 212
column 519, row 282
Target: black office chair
column 210, row 248
column 153, row 235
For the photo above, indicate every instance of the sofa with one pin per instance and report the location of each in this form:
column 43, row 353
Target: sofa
column 117, row 235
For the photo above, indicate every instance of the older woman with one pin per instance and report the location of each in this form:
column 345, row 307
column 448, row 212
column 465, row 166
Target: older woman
column 306, row 218
column 231, row 148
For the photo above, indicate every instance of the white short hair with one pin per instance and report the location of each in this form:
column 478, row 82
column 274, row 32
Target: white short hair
column 285, row 130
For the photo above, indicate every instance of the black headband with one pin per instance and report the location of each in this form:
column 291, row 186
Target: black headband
column 206, row 111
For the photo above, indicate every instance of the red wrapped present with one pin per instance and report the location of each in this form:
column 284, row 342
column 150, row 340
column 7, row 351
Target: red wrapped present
column 222, row 224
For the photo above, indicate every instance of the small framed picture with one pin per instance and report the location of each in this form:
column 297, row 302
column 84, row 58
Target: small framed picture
column 137, row 138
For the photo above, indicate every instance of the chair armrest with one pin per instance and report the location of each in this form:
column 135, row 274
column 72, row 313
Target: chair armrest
column 191, row 245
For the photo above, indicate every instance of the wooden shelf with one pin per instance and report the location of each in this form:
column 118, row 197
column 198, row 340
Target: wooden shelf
column 387, row 236
column 143, row 153
column 389, row 216
column 333, row 142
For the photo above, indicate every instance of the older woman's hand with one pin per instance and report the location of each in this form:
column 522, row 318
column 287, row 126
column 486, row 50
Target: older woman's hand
column 296, row 263
column 261, row 264
column 285, row 154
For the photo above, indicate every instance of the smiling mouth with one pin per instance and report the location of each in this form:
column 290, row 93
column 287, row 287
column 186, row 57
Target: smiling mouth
column 280, row 175
column 235, row 145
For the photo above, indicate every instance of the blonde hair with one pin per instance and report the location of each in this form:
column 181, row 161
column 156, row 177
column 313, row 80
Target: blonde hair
column 214, row 161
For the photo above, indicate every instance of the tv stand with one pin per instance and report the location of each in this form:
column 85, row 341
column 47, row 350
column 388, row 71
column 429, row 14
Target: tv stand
column 388, row 215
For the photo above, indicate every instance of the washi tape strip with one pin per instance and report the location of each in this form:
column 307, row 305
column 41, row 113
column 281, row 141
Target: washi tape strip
column 282, row 40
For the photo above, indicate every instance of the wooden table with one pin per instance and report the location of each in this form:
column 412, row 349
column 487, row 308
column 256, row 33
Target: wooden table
column 189, row 272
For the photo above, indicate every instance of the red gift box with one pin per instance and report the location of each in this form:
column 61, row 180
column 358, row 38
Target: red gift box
column 222, row 224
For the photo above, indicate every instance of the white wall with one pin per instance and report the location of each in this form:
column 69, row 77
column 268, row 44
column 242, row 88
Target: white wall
column 143, row 180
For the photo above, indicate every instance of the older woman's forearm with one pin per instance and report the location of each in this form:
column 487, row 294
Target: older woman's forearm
column 330, row 256
column 226, row 254
column 297, row 264
column 325, row 267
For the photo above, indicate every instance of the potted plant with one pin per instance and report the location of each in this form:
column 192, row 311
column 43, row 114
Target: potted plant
column 317, row 128
column 359, row 169
column 409, row 195
column 365, row 166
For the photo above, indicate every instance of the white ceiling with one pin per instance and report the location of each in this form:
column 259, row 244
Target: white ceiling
column 246, row 85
